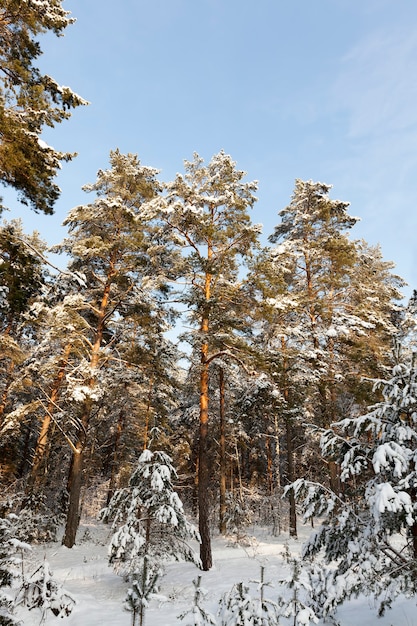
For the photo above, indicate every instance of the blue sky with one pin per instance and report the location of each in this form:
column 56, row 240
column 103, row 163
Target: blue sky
column 312, row 89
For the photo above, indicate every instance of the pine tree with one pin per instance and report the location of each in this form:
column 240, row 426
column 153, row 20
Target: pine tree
column 23, row 278
column 60, row 344
column 10, row 549
column 152, row 528
column 154, row 521
column 206, row 211
column 31, row 101
column 143, row 585
column 239, row 607
column 368, row 539
column 331, row 296
column 298, row 585
column 257, row 409
column 116, row 242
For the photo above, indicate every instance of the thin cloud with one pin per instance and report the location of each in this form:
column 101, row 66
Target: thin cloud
column 376, row 85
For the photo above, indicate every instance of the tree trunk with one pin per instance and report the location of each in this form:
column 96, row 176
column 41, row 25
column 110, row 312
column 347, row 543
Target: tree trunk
column 75, row 481
column 269, row 464
column 289, row 435
column 40, row 454
column 291, row 477
column 222, row 454
column 203, row 465
column 148, row 416
column 203, row 468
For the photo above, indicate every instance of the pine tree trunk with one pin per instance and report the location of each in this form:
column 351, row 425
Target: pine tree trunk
column 291, row 477
column 40, row 454
column 289, row 434
column 203, row 469
column 148, row 416
column 276, row 502
column 75, row 481
column 269, row 464
column 203, row 465
column 222, row 454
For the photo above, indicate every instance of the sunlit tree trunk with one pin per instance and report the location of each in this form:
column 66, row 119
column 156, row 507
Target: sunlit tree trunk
column 203, row 465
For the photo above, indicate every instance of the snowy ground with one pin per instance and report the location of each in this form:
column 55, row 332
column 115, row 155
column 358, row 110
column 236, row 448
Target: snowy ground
column 99, row 592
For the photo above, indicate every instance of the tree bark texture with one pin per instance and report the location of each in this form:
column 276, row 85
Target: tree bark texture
column 203, row 469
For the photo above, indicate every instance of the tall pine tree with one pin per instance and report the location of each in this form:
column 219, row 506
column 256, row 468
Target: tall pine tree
column 206, row 211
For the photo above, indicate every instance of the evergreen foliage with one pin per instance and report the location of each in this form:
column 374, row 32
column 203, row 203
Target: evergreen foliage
column 41, row 591
column 149, row 516
column 86, row 372
column 152, row 529
column 197, row 615
column 143, row 585
column 206, row 211
column 298, row 584
column 326, row 317
column 116, row 242
column 10, row 559
column 31, row 101
column 238, row 607
column 368, row 539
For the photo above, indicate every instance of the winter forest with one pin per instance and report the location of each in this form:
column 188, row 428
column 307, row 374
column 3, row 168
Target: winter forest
column 175, row 383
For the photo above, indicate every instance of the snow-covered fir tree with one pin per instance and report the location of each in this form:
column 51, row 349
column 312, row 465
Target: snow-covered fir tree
column 41, row 591
column 197, row 615
column 11, row 550
column 151, row 527
column 149, row 517
column 367, row 542
column 295, row 593
column 239, row 607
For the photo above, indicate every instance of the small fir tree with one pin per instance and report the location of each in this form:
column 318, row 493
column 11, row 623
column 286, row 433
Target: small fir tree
column 298, row 584
column 154, row 522
column 10, row 559
column 144, row 584
column 238, row 607
column 42, row 591
column 197, row 614
column 153, row 528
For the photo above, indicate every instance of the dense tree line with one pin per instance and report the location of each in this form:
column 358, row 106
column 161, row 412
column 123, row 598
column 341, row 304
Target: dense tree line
column 279, row 337
column 264, row 387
